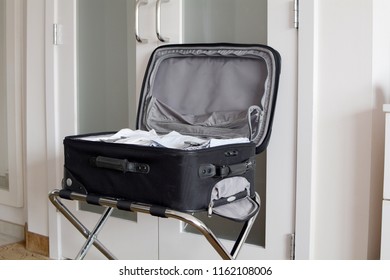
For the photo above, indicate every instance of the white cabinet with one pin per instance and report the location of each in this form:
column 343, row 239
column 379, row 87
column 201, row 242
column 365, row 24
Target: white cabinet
column 385, row 242
column 103, row 95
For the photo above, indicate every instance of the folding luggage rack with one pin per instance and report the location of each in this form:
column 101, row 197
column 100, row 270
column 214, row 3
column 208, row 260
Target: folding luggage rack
column 110, row 204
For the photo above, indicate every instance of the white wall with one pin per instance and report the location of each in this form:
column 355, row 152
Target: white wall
column 35, row 133
column 381, row 95
column 349, row 161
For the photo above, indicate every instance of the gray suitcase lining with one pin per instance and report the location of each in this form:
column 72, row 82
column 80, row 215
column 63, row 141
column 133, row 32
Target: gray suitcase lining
column 183, row 95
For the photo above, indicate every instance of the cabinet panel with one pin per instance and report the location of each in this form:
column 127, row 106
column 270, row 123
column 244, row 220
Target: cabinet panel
column 105, row 65
column 233, row 21
column 385, row 243
column 386, row 186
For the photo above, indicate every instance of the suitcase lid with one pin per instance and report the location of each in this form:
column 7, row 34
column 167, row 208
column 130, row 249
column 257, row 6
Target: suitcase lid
column 211, row 90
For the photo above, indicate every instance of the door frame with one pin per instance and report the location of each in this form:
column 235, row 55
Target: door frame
column 307, row 88
column 306, row 127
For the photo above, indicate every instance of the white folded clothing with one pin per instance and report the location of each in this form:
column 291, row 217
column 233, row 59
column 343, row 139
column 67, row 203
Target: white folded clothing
column 220, row 142
column 173, row 140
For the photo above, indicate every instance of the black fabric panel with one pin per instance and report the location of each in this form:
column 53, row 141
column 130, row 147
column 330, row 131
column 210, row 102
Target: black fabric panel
column 173, row 181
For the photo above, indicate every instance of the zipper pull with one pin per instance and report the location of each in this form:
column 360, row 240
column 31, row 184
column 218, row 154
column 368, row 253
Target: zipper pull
column 210, row 209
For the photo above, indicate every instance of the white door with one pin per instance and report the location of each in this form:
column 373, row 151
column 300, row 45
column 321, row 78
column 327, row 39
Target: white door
column 95, row 76
column 249, row 21
column 92, row 29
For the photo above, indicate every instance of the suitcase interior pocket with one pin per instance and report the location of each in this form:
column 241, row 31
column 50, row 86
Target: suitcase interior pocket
column 225, row 124
column 230, row 198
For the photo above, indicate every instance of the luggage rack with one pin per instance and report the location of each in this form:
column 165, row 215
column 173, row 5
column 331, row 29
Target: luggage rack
column 110, row 204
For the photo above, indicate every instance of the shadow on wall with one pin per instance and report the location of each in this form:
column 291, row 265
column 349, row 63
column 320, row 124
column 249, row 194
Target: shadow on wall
column 377, row 173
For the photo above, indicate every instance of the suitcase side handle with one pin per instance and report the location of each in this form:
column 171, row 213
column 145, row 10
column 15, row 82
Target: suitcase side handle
column 211, row 170
column 119, row 164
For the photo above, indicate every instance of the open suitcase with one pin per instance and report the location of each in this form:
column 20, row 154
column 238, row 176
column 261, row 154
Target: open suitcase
column 219, row 100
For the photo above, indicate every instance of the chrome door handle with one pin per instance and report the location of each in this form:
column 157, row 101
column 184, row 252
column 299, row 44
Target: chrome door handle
column 158, row 21
column 137, row 35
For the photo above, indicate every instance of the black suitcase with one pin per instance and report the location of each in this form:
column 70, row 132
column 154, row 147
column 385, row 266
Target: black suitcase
column 206, row 90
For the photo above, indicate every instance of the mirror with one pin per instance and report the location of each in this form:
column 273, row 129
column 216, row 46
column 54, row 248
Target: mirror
column 106, row 65
column 4, row 182
column 11, row 84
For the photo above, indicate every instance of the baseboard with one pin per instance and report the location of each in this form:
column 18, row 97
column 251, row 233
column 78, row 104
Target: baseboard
column 4, row 182
column 37, row 243
column 11, row 229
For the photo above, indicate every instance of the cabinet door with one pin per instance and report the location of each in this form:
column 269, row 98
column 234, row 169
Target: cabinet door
column 96, row 76
column 263, row 22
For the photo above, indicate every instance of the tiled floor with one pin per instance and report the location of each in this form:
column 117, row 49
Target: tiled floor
column 17, row 251
column 13, row 248
column 12, row 245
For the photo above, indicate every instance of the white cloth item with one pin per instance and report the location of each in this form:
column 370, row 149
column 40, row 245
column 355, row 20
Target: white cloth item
column 176, row 140
column 239, row 210
column 230, row 186
column 219, row 142
column 136, row 137
column 126, row 135
column 173, row 140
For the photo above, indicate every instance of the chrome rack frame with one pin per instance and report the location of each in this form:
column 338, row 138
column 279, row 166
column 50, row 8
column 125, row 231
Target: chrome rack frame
column 110, row 204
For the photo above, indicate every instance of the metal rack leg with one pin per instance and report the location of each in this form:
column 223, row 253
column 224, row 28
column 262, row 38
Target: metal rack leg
column 209, row 235
column 53, row 196
column 203, row 229
column 93, row 235
column 245, row 231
